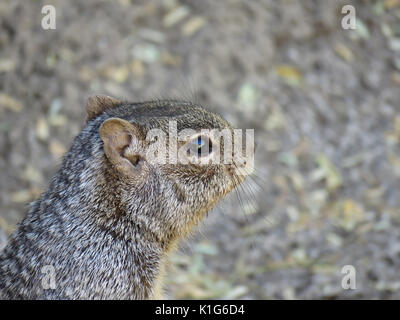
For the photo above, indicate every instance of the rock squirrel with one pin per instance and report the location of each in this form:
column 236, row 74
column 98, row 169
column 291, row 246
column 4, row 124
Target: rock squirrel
column 110, row 217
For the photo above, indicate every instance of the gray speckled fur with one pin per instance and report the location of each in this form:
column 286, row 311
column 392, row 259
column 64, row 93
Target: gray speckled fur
column 106, row 235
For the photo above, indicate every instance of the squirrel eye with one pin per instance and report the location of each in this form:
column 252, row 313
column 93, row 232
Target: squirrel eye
column 201, row 146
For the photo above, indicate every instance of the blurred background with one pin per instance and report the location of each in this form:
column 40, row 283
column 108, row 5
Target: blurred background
column 324, row 103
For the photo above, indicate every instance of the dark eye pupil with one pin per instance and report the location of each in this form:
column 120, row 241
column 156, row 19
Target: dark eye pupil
column 205, row 147
column 201, row 146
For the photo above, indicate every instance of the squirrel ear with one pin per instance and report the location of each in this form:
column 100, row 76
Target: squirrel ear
column 96, row 104
column 122, row 143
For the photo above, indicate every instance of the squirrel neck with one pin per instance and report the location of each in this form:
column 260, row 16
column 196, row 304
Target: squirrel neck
column 87, row 197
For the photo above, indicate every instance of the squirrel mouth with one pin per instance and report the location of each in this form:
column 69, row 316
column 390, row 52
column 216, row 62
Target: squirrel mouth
column 236, row 174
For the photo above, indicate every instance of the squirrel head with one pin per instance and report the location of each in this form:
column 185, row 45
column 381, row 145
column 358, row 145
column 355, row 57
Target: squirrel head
column 167, row 162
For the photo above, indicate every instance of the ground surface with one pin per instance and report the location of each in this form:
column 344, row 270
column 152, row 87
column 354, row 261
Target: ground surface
column 324, row 101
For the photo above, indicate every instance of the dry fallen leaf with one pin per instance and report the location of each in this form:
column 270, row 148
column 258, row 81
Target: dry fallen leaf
column 57, row 120
column 344, row 52
column 172, row 60
column 137, row 68
column 389, row 4
column 32, row 174
column 290, row 74
column 193, row 25
column 22, row 196
column 10, row 103
column 57, row 149
column 327, row 171
column 5, row 226
column 352, row 214
column 118, row 74
column 175, row 16
column 42, row 129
